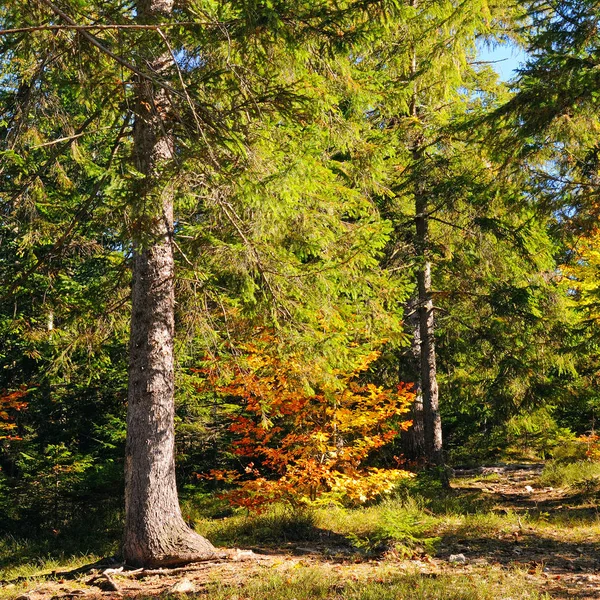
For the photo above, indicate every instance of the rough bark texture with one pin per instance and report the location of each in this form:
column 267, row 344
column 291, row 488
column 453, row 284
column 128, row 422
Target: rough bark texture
column 155, row 532
column 413, row 440
column 432, row 422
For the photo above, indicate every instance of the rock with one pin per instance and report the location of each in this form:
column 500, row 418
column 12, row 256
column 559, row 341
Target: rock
column 238, row 554
column 183, row 586
column 457, row 559
column 529, row 489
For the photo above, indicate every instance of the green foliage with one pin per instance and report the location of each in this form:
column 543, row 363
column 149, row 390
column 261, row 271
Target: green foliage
column 304, row 133
column 537, row 432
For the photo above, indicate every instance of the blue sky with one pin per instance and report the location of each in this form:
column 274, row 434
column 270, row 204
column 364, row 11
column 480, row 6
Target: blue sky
column 509, row 58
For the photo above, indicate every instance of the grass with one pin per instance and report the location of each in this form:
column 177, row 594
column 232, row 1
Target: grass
column 26, row 562
column 422, row 521
column 584, row 475
column 22, row 557
column 385, row 583
column 406, row 526
column 410, row 524
column 32, row 559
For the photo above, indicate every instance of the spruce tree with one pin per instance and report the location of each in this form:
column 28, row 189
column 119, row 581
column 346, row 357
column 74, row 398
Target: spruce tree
column 175, row 87
column 427, row 76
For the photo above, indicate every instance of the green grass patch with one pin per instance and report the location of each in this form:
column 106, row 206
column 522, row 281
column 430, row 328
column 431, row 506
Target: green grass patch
column 410, row 524
column 277, row 525
column 319, row 583
column 580, row 475
column 398, row 525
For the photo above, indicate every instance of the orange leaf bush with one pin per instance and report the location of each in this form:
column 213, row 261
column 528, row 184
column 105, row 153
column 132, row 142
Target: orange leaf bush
column 305, row 445
column 10, row 404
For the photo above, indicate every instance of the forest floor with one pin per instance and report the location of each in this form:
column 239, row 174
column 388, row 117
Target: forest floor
column 500, row 532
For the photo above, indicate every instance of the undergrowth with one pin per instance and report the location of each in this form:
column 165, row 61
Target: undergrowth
column 421, row 520
column 407, row 524
column 582, row 475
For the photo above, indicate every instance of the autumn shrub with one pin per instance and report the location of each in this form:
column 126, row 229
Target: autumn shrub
column 578, row 449
column 11, row 403
column 303, row 443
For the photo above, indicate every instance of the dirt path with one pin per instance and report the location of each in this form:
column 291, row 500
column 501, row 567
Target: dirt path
column 568, row 568
column 541, row 548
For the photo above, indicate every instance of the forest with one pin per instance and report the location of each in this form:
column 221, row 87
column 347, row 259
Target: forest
column 299, row 299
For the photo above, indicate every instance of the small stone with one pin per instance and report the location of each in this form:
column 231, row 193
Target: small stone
column 238, row 554
column 183, row 586
column 529, row 489
column 457, row 558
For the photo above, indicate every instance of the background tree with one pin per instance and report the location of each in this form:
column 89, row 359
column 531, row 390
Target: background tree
column 428, row 76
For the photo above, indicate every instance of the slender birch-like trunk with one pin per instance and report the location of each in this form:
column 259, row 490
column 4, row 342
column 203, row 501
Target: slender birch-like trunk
column 155, row 532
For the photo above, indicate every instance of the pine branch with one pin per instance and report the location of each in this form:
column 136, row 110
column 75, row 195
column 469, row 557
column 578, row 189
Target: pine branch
column 75, row 27
column 86, row 206
column 124, row 63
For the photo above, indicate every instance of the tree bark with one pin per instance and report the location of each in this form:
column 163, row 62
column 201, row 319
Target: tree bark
column 155, row 532
column 413, row 440
column 432, row 422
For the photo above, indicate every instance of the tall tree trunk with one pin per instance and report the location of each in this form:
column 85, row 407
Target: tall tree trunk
column 432, row 422
column 155, row 532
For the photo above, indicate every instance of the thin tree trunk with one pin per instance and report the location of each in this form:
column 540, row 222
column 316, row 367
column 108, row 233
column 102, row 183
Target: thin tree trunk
column 432, row 423
column 429, row 388
column 413, row 440
column 155, row 532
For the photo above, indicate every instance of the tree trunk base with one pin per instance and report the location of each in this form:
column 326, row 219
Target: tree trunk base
column 182, row 547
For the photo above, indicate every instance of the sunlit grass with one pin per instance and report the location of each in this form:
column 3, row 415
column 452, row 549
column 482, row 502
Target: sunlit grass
column 421, row 521
column 383, row 584
column 29, row 571
column 580, row 474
